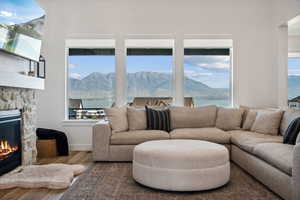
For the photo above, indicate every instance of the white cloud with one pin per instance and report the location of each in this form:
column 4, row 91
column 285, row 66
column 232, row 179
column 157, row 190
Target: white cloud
column 11, row 23
column 194, row 73
column 4, row 13
column 218, row 63
column 72, row 66
column 75, row 75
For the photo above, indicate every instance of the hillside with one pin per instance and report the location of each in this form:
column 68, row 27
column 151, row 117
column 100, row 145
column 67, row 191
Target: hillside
column 97, row 84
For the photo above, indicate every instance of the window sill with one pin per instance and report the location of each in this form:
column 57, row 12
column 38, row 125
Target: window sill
column 82, row 123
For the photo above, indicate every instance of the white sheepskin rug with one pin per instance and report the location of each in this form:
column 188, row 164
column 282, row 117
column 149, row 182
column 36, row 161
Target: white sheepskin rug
column 52, row 176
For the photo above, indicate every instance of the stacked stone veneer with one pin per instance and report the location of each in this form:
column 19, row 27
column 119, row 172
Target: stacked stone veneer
column 25, row 99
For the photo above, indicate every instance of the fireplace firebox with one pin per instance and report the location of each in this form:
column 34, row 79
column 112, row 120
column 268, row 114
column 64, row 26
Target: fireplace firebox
column 10, row 140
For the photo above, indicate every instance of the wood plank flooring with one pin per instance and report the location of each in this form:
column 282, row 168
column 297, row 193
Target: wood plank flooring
column 84, row 158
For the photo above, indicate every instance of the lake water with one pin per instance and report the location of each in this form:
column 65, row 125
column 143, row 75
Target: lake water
column 198, row 101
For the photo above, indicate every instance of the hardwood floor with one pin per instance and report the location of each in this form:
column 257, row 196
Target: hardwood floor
column 45, row 194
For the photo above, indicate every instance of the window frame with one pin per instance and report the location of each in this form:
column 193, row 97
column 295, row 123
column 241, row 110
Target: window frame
column 83, row 44
column 118, row 42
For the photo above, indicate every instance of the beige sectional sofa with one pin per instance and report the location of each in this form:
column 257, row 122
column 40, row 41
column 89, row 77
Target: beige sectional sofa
column 264, row 156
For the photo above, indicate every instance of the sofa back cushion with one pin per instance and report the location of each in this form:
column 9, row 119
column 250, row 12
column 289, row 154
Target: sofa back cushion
column 229, row 118
column 249, row 119
column 288, row 116
column 250, row 116
column 267, row 122
column 117, row 117
column 136, row 118
column 247, row 109
column 185, row 117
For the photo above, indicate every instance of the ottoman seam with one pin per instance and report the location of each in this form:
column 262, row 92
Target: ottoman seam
column 135, row 162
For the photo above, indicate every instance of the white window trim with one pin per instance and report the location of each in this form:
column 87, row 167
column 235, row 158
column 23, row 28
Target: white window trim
column 177, row 44
column 294, row 55
column 149, row 43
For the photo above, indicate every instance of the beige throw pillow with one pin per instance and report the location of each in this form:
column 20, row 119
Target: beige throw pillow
column 117, row 117
column 137, row 119
column 267, row 122
column 229, row 118
column 249, row 119
column 186, row 117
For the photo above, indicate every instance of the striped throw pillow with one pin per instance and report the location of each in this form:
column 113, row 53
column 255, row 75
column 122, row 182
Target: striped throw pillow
column 158, row 119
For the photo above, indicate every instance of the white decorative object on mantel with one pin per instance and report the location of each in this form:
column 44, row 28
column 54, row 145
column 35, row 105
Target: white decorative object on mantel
column 52, row 176
column 10, row 79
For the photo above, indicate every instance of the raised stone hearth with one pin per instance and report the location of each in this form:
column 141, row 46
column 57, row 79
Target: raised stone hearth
column 25, row 99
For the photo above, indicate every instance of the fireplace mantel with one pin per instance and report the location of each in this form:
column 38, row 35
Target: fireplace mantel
column 11, row 79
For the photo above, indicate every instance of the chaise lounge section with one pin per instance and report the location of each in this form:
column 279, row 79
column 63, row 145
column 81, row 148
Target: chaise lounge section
column 264, row 156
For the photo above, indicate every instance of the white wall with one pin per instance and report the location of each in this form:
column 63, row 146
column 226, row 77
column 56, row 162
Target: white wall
column 251, row 25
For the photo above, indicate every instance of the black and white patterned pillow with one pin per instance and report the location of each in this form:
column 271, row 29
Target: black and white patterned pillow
column 158, row 119
column 292, row 132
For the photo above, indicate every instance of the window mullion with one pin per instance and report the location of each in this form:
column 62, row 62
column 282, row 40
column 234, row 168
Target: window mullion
column 178, row 73
column 120, row 88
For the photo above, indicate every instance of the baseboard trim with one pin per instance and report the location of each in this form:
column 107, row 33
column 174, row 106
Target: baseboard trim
column 80, row 147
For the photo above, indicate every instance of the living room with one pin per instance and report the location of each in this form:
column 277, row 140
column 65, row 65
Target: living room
column 145, row 99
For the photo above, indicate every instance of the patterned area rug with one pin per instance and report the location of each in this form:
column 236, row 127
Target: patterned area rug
column 112, row 181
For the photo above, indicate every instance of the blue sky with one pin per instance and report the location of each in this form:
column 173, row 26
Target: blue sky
column 211, row 70
column 19, row 11
column 294, row 67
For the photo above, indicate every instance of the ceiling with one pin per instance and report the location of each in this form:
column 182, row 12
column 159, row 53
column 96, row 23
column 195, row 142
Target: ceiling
column 294, row 26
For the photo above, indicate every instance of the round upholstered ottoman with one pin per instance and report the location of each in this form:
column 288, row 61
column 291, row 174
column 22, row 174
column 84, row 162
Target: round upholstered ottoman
column 181, row 165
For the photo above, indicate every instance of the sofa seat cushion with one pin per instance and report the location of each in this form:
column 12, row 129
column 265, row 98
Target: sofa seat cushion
column 208, row 134
column 137, row 137
column 247, row 140
column 276, row 154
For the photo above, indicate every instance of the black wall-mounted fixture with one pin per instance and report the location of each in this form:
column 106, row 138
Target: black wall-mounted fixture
column 37, row 69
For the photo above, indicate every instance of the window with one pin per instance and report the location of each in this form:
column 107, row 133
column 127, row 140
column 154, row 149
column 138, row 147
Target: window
column 149, row 71
column 294, row 80
column 145, row 74
column 91, row 82
column 207, row 76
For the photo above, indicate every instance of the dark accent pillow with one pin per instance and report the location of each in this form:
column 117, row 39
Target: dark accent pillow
column 292, row 132
column 158, row 119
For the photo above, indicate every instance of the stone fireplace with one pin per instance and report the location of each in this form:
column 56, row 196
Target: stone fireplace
column 25, row 100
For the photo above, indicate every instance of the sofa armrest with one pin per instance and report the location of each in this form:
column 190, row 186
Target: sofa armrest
column 101, row 141
column 296, row 172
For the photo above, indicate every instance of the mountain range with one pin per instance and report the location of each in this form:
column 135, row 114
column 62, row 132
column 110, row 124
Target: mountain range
column 98, row 85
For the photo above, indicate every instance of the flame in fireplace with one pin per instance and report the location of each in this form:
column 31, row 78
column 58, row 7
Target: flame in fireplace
column 6, row 149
